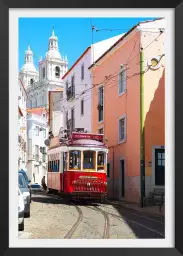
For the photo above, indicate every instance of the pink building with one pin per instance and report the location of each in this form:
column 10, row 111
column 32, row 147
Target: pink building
column 116, row 109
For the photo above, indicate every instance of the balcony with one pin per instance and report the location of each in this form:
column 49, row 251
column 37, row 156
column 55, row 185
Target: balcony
column 71, row 93
column 44, row 158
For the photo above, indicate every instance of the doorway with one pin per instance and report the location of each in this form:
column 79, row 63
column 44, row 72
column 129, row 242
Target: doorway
column 159, row 166
column 122, row 169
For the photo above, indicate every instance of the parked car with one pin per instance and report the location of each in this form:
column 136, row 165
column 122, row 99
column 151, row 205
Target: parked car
column 36, row 187
column 28, row 181
column 20, row 211
column 26, row 195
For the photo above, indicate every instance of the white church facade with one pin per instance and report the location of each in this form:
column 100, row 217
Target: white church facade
column 47, row 78
column 38, row 84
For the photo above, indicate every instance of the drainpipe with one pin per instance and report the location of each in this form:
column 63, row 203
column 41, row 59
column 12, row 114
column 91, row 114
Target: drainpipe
column 113, row 173
column 142, row 146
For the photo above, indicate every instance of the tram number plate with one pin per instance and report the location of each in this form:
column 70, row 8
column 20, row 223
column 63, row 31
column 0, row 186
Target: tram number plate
column 88, row 177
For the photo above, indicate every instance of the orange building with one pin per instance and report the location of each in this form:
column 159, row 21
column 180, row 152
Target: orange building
column 118, row 77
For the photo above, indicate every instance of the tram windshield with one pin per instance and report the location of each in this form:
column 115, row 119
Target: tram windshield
column 101, row 160
column 75, row 160
column 89, row 160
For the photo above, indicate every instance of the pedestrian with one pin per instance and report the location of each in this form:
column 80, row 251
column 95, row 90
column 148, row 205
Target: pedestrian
column 43, row 183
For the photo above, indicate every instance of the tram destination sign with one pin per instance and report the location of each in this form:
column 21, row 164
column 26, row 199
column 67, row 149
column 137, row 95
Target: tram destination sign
column 88, row 136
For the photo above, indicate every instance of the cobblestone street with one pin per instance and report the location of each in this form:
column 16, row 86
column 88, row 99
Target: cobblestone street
column 57, row 219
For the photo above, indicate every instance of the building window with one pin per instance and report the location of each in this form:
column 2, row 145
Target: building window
column 71, row 89
column 66, row 119
column 36, row 152
column 82, row 71
column 100, row 103
column 57, row 71
column 73, row 86
column 72, row 119
column 31, row 81
column 66, row 85
column 44, row 133
column 108, row 170
column 121, row 82
column 42, row 98
column 37, row 130
column 82, row 107
column 101, row 131
column 43, row 72
column 122, row 129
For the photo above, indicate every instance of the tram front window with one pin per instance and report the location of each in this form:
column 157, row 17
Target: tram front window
column 101, row 161
column 88, row 160
column 75, row 160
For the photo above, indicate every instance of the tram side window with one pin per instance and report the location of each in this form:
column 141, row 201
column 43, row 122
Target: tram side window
column 58, row 165
column 53, row 166
column 50, row 166
column 75, row 160
column 89, row 160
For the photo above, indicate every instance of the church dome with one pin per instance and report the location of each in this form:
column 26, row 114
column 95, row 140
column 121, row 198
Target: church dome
column 53, row 51
column 53, row 54
column 28, row 65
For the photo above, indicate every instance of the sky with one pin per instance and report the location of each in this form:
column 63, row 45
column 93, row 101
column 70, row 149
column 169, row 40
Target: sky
column 74, row 34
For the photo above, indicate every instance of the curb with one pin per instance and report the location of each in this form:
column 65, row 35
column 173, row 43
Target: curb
column 161, row 214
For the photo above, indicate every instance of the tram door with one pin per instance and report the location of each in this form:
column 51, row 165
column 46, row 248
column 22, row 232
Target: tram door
column 64, row 169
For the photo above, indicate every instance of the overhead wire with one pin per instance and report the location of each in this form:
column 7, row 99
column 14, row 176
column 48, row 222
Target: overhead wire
column 129, row 61
column 107, row 78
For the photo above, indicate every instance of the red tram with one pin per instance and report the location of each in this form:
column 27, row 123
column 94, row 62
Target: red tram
column 77, row 165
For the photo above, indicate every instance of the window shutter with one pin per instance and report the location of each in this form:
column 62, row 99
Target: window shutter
column 124, row 81
column 119, row 82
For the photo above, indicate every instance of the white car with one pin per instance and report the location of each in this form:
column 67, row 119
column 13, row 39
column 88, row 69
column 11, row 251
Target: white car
column 20, row 211
column 36, row 187
column 26, row 195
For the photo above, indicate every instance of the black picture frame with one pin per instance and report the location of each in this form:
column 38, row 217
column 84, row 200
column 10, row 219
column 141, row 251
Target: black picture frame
column 4, row 126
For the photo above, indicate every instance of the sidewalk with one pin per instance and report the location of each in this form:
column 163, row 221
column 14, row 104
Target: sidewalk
column 148, row 209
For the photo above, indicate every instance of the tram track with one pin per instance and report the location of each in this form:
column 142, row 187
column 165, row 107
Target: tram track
column 70, row 233
column 129, row 217
column 106, row 233
column 121, row 218
column 76, row 224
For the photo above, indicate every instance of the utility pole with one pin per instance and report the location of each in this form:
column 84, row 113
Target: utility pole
column 142, row 142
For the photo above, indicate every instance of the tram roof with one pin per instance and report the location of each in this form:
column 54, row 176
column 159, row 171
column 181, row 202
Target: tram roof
column 86, row 142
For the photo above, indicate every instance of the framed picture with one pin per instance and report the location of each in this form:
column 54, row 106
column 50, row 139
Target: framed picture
column 171, row 240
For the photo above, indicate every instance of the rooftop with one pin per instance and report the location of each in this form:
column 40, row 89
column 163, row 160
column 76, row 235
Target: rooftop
column 37, row 111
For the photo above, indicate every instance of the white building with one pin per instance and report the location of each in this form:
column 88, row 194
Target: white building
column 56, row 115
column 37, row 133
column 51, row 70
column 22, row 133
column 77, row 100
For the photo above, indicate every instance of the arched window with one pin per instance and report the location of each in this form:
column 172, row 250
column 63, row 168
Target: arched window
column 43, row 72
column 31, row 81
column 57, row 71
